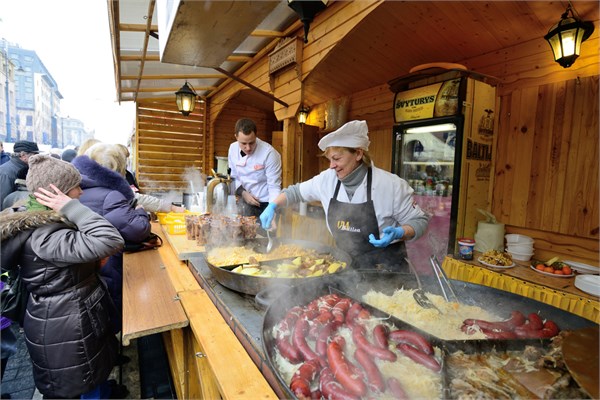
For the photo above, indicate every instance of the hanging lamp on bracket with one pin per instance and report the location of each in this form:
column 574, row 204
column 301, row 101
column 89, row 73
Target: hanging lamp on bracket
column 566, row 36
column 186, row 99
column 306, row 10
column 303, row 114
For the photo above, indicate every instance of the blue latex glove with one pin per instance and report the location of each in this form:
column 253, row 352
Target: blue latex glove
column 389, row 235
column 266, row 218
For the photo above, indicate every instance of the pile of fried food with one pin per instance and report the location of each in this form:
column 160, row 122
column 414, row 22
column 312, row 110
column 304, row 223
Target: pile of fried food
column 285, row 261
column 495, row 257
column 533, row 372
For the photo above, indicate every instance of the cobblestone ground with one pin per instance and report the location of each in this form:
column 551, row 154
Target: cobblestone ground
column 18, row 377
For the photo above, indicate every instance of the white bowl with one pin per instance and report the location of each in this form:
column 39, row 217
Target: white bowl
column 514, row 238
column 520, row 248
column 520, row 256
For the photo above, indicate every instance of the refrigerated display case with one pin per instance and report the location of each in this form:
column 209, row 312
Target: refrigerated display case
column 442, row 146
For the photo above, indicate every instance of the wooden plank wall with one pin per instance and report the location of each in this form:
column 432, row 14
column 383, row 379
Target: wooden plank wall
column 168, row 145
column 546, row 175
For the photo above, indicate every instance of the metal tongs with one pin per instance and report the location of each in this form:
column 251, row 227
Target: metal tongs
column 445, row 285
column 419, row 295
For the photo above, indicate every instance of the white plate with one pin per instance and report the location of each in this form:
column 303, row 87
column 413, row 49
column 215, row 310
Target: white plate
column 551, row 274
column 496, row 266
column 589, row 284
column 583, row 268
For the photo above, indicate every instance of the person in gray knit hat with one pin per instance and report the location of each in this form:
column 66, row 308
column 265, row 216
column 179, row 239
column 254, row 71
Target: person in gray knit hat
column 59, row 245
column 44, row 170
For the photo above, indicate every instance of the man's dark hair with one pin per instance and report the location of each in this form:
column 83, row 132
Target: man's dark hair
column 246, row 125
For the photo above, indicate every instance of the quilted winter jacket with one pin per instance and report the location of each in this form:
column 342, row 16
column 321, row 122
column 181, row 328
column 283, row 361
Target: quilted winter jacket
column 67, row 324
column 107, row 192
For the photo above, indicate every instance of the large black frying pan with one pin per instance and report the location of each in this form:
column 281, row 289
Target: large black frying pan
column 357, row 283
column 254, row 284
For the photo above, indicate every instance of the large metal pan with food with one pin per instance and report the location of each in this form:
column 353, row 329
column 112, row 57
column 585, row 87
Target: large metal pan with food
column 357, row 283
column 327, row 260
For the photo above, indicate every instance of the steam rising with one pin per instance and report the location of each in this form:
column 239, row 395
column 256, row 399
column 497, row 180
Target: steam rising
column 195, row 179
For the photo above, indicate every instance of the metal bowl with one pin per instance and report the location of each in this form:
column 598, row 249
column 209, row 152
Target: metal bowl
column 253, row 284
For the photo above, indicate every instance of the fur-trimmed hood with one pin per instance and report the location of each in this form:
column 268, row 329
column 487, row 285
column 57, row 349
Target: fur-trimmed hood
column 13, row 223
column 95, row 175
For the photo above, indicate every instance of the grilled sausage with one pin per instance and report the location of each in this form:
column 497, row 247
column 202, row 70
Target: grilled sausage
column 380, row 336
column 374, row 378
column 419, row 357
column 326, row 332
column 300, row 383
column 340, row 309
column 342, row 370
column 299, row 340
column 412, row 338
column 358, row 336
column 331, row 389
column 516, row 319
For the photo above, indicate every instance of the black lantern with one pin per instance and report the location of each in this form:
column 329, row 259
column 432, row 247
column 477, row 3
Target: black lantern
column 306, row 10
column 566, row 36
column 186, row 99
column 303, row 115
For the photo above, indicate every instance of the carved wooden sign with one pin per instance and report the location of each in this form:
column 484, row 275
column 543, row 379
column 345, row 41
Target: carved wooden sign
column 288, row 52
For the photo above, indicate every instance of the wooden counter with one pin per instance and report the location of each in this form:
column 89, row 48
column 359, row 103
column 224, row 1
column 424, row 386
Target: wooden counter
column 522, row 280
column 183, row 248
column 206, row 359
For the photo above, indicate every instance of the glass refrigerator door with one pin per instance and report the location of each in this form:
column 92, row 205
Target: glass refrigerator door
column 425, row 158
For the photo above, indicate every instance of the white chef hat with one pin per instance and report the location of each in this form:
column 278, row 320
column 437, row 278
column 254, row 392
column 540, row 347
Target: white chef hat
column 352, row 134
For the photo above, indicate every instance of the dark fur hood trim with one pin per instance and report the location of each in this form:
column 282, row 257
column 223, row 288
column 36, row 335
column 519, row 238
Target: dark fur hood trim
column 13, row 223
column 95, row 175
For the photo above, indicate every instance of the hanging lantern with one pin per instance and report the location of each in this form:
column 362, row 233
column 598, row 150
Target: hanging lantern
column 303, row 115
column 186, row 99
column 566, row 36
column 306, row 10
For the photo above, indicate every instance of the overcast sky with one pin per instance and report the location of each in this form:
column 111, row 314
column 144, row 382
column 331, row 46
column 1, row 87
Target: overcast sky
column 72, row 38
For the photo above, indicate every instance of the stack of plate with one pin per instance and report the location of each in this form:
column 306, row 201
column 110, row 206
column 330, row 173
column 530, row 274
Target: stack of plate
column 588, row 283
column 520, row 247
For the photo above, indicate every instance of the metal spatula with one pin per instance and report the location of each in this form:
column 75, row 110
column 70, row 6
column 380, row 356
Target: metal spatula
column 270, row 243
column 419, row 294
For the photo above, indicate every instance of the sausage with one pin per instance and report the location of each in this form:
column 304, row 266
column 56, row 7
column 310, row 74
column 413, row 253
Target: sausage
column 374, row 378
column 499, row 334
column 353, row 313
column 299, row 340
column 342, row 371
column 300, row 383
column 323, row 317
column 287, row 350
column 358, row 336
column 419, row 357
column 396, row 388
column 549, row 330
column 290, row 319
column 340, row 309
column 412, row 338
column 516, row 319
column 380, row 336
column 534, row 322
column 326, row 332
column 330, row 389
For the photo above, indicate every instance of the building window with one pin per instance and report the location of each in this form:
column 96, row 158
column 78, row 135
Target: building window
column 29, row 121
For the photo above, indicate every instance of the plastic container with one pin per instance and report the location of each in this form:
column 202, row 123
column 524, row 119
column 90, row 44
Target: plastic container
column 520, row 248
column 513, row 238
column 176, row 228
column 520, row 256
column 465, row 248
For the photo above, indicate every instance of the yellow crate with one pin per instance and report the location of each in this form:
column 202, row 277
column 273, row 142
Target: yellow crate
column 176, row 228
column 162, row 217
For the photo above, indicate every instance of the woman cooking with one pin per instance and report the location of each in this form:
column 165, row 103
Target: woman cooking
column 370, row 212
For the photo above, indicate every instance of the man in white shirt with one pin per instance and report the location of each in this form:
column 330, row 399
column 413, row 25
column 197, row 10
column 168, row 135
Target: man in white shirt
column 256, row 167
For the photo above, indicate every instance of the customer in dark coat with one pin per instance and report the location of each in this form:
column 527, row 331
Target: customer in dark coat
column 59, row 243
column 107, row 192
column 4, row 156
column 19, row 160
